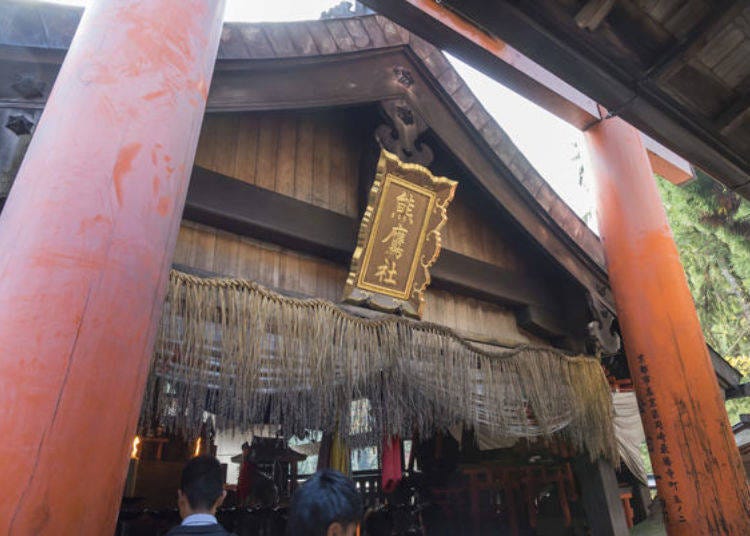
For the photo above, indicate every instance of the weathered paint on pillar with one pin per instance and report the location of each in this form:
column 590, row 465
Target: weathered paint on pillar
column 86, row 242
column 698, row 471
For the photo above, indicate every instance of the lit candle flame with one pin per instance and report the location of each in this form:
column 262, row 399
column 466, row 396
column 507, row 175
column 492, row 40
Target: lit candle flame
column 197, row 448
column 134, row 451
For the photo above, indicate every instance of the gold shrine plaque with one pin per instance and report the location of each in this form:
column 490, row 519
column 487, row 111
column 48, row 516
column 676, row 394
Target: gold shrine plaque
column 399, row 237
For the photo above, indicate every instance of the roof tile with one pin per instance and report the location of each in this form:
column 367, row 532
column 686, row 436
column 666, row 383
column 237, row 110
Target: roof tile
column 463, row 97
column 322, row 37
column 303, row 41
column 341, row 36
column 421, row 48
column 478, row 116
column 391, row 31
column 357, row 31
column 232, row 45
column 437, row 63
column 544, row 195
column 255, row 41
column 493, row 136
column 280, row 40
column 374, row 30
column 450, row 81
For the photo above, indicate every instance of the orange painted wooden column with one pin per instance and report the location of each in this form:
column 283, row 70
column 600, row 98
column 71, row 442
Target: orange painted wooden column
column 86, row 242
column 697, row 465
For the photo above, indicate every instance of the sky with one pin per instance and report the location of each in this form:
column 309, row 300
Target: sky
column 550, row 144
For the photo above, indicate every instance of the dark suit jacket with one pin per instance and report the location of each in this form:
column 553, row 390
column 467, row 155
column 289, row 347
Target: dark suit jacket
column 203, row 530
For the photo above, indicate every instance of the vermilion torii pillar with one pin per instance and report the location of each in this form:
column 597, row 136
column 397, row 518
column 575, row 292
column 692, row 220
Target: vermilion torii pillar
column 86, row 243
column 698, row 470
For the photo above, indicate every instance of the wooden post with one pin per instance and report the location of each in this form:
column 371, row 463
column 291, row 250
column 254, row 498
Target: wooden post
column 87, row 237
column 697, row 466
column 600, row 495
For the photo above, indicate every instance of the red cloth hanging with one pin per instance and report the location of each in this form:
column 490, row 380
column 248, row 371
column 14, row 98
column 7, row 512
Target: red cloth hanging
column 246, row 481
column 391, row 473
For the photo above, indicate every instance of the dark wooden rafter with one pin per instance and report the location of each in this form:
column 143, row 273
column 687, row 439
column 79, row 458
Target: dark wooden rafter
column 739, row 391
column 593, row 12
column 733, row 114
column 676, row 51
column 232, row 205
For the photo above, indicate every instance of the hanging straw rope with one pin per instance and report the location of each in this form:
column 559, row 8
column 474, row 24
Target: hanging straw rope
column 249, row 355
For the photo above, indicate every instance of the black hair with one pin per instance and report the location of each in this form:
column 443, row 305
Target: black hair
column 327, row 497
column 202, row 482
column 377, row 522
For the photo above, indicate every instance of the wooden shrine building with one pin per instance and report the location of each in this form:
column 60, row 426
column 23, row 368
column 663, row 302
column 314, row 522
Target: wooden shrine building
column 287, row 150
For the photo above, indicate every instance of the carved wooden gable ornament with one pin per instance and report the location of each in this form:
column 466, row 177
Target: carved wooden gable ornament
column 399, row 237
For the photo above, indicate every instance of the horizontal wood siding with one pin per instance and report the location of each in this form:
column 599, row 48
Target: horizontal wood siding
column 311, row 156
column 219, row 252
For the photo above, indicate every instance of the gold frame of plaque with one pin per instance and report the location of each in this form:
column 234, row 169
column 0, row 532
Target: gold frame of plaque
column 399, row 237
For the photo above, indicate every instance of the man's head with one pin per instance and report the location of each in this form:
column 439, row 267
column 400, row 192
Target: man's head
column 326, row 505
column 201, row 487
column 377, row 523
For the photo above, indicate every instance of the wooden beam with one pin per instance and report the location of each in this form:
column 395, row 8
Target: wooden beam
column 226, row 203
column 669, row 56
column 600, row 495
column 741, row 391
column 299, row 83
column 593, row 13
column 734, row 114
column 729, row 377
column 236, row 206
column 667, row 164
column 540, row 321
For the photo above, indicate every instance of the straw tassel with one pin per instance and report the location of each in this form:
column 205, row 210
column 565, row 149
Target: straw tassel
column 249, row 355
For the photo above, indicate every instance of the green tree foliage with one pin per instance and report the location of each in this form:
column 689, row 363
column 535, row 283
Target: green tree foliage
column 711, row 227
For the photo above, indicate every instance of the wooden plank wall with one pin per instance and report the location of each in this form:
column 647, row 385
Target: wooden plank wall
column 311, row 156
column 314, row 156
column 219, row 252
column 223, row 253
column 472, row 233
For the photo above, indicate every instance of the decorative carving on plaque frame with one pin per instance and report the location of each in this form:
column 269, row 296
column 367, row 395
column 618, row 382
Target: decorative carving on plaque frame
column 399, row 237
